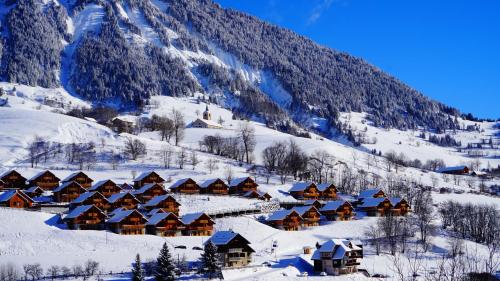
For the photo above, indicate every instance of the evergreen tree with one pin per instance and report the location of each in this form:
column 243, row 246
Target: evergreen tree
column 210, row 262
column 164, row 265
column 137, row 271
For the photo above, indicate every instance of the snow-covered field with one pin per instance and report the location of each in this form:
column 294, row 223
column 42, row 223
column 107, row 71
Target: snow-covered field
column 28, row 237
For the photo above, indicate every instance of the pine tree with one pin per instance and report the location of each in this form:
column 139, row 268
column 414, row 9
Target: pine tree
column 164, row 265
column 137, row 271
column 210, row 262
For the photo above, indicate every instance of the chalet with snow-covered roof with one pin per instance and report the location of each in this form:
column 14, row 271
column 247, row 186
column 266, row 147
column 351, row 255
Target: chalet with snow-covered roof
column 147, row 177
column 128, row 222
column 197, row 224
column 90, row 198
column 253, row 194
column 455, row 170
column 13, row 179
column 165, row 202
column 45, row 180
column 242, row 185
column 310, row 215
column 207, row 124
column 234, row 250
column 376, row 206
column 81, row 178
column 214, row 186
column 288, row 220
column 400, row 206
column 68, row 191
column 85, row 217
column 337, row 210
column 125, row 200
column 15, row 199
column 369, row 193
column 327, row 191
column 34, row 191
column 304, row 190
column 164, row 224
column 116, row 211
column 337, row 256
column 314, row 202
column 125, row 186
column 155, row 211
column 106, row 187
column 187, row 186
column 148, row 191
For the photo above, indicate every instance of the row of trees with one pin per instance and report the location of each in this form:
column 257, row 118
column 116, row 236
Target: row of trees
column 9, row 272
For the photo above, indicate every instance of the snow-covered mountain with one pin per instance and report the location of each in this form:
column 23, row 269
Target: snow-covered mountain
column 121, row 53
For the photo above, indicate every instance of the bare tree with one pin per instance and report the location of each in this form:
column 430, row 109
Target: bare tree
column 247, row 135
column 179, row 125
column 212, row 165
column 91, row 268
column 166, row 155
column 53, row 272
column 228, row 173
column 35, row 148
column 166, row 128
column 9, row 272
column 181, row 158
column 194, row 159
column 134, row 148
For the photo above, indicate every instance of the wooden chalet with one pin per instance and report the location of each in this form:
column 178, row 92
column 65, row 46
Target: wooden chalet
column 106, row 187
column 45, row 180
column 337, row 256
column 371, row 193
column 400, row 206
column 81, row 178
column 15, row 198
column 305, row 190
column 148, row 191
column 13, row 179
column 314, row 202
column 288, row 220
column 214, row 186
column 257, row 195
column 234, row 250
column 187, row 186
column 310, row 215
column 34, row 191
column 165, row 202
column 242, row 185
column 147, row 177
column 327, row 191
column 91, row 198
column 85, row 217
column 164, row 224
column 68, row 191
column 337, row 210
column 376, row 206
column 197, row 224
column 123, row 200
column 127, row 222
column 125, row 186
column 456, row 170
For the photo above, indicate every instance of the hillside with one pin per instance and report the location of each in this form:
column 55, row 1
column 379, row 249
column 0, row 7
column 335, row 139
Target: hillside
column 121, row 53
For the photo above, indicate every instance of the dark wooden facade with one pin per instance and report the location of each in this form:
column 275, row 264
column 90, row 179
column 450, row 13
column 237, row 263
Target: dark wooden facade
column 81, row 178
column 134, row 223
column 291, row 222
column 400, row 207
column 308, row 192
column 92, row 218
column 13, row 179
column 242, row 186
column 343, row 212
column 45, row 180
column 165, row 202
column 217, row 186
column 106, row 188
column 148, row 191
column 201, row 226
column 165, row 224
column 16, row 199
column 310, row 215
column 187, row 186
column 149, row 177
column 91, row 198
column 68, row 192
column 123, row 200
column 328, row 192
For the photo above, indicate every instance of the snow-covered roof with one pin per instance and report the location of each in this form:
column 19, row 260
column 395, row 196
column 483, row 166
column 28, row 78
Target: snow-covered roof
column 302, row 209
column 300, row 186
column 337, row 247
column 8, row 172
column 179, row 182
column 66, row 184
column 369, row 192
column 116, row 211
column 120, row 216
column 311, row 202
column 156, row 200
column 452, row 168
column 154, row 211
column 117, row 196
column 279, row 215
column 144, row 175
column 71, row 176
column 371, row 202
column 190, row 218
column 332, row 205
column 7, row 195
column 346, row 197
column 37, row 175
column 144, row 188
column 98, row 184
column 158, row 217
column 208, row 123
column 84, row 196
column 237, row 181
column 33, row 189
column 223, row 237
column 323, row 186
column 395, row 200
column 259, row 193
column 76, row 212
column 206, row 183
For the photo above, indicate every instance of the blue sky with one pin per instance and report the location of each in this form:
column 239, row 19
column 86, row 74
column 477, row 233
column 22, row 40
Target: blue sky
column 448, row 50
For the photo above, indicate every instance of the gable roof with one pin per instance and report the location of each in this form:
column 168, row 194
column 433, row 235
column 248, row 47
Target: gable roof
column 33, row 189
column 39, row 174
column 337, row 247
column 158, row 217
column 9, row 172
column 452, row 168
column 155, row 211
column 157, row 200
column 76, row 212
column 207, row 122
column 73, row 175
column 7, row 195
column 323, row 186
column 65, row 185
column 237, row 181
column 120, row 216
column 144, row 175
column 117, row 196
column 369, row 192
column 208, row 182
column 280, row 215
column 179, row 182
column 116, row 211
column 303, row 209
column 100, row 183
column 85, row 196
column 333, row 205
column 145, row 188
column 396, row 200
column 372, row 202
column 300, row 186
column 190, row 218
